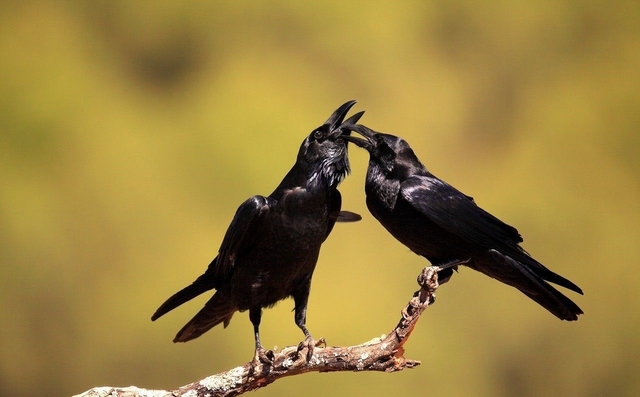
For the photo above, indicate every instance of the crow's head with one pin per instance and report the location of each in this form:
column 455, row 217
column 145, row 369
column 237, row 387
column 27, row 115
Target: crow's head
column 324, row 151
column 390, row 153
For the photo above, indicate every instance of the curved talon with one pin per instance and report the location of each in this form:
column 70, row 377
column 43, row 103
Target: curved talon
column 428, row 278
column 310, row 344
column 261, row 358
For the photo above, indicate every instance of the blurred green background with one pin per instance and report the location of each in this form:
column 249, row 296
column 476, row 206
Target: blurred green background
column 131, row 131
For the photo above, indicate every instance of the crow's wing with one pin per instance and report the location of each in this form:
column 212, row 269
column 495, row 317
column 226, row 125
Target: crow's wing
column 459, row 214
column 456, row 212
column 245, row 228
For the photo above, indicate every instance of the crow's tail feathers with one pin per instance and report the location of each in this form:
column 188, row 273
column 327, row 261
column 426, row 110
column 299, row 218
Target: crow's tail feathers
column 509, row 271
column 219, row 309
column 184, row 295
column 540, row 270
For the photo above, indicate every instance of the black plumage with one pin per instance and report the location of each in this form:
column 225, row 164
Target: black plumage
column 445, row 226
column 270, row 250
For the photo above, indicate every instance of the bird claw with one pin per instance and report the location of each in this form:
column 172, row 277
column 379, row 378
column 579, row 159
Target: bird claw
column 261, row 358
column 310, row 344
column 428, row 278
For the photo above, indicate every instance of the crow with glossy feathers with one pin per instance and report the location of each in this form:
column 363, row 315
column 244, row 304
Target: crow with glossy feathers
column 438, row 222
column 270, row 250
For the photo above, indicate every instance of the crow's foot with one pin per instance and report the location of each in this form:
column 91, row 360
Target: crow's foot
column 310, row 344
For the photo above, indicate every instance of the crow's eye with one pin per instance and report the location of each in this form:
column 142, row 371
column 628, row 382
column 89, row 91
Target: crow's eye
column 317, row 134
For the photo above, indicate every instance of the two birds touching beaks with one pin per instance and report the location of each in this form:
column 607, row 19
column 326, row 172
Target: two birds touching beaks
column 270, row 250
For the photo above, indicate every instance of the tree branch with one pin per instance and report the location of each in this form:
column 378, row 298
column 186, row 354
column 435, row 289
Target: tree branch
column 385, row 353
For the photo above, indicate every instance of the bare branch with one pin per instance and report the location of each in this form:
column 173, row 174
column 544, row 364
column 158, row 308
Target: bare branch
column 385, row 353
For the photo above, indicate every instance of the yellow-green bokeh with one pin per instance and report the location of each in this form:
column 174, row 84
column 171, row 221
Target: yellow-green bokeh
column 130, row 132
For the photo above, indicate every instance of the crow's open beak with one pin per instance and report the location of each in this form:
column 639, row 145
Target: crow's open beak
column 341, row 131
column 337, row 117
column 353, row 119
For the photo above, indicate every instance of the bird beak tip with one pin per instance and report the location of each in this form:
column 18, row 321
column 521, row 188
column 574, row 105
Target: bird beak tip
column 338, row 115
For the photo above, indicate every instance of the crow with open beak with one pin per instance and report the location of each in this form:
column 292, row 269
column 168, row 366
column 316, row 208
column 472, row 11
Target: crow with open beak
column 270, row 250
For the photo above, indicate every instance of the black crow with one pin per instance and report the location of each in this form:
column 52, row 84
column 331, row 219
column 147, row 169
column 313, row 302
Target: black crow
column 437, row 221
column 271, row 248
